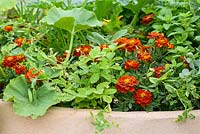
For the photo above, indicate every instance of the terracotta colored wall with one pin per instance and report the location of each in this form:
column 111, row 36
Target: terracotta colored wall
column 69, row 121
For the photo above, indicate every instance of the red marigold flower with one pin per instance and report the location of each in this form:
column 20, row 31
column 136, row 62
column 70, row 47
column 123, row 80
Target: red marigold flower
column 82, row 50
column 103, row 46
column 144, row 55
column 161, row 41
column 19, row 41
column 155, row 35
column 30, row 74
column 122, row 41
column 128, row 44
column 11, row 61
column 19, row 69
column 126, row 83
column 147, row 19
column 142, row 97
column 8, row 28
column 133, row 44
column 132, row 64
column 61, row 58
column 158, row 70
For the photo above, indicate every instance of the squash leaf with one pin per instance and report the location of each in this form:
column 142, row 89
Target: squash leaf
column 17, row 90
column 7, row 4
column 73, row 20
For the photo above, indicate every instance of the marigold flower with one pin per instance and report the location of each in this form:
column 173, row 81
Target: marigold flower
column 103, row 46
column 133, row 44
column 19, row 69
column 142, row 97
column 8, row 28
column 30, row 74
column 144, row 55
column 61, row 58
column 11, row 61
column 126, row 83
column 161, row 41
column 158, row 70
column 155, row 35
column 128, row 44
column 122, row 41
column 82, row 50
column 19, row 41
column 132, row 64
column 147, row 19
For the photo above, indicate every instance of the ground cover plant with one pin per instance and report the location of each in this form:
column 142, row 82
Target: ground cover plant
column 121, row 55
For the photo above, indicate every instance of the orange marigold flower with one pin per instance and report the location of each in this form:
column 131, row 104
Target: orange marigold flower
column 8, row 28
column 19, row 69
column 122, row 41
column 161, row 41
column 144, row 55
column 170, row 46
column 126, row 83
column 133, row 44
column 103, row 46
column 19, row 41
column 30, row 74
column 82, row 50
column 155, row 35
column 142, row 97
column 132, row 64
column 61, row 58
column 158, row 71
column 11, row 61
column 147, row 19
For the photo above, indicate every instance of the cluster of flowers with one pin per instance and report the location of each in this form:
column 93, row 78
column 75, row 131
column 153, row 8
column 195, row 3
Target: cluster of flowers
column 19, row 41
column 160, row 40
column 13, row 62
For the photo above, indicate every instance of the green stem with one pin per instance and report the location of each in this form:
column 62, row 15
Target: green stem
column 134, row 20
column 2, row 73
column 70, row 46
column 63, row 39
column 84, row 3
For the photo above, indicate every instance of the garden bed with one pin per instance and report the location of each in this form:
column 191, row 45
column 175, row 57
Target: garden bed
column 70, row 121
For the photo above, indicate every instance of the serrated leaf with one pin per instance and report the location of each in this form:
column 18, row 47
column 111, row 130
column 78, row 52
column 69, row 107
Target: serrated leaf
column 17, row 90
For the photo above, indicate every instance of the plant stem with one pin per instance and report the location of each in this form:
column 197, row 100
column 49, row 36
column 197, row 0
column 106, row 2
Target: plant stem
column 134, row 20
column 63, row 39
column 70, row 45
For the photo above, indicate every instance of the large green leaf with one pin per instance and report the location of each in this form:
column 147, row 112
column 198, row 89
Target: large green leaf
column 103, row 8
column 7, row 4
column 135, row 8
column 71, row 20
column 17, row 90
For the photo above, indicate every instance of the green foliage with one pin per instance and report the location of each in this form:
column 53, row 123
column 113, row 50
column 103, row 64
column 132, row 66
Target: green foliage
column 28, row 101
column 73, row 20
column 100, row 122
column 7, row 4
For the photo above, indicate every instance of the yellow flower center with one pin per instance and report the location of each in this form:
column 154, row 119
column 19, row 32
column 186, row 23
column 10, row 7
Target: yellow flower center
column 126, row 81
column 142, row 95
